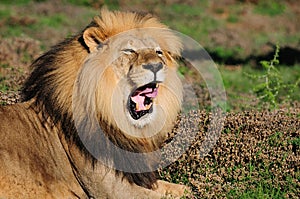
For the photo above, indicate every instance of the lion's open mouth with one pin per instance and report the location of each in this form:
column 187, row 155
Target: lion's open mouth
column 141, row 100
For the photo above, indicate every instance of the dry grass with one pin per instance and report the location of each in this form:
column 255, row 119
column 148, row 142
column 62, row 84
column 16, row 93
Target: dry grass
column 16, row 55
column 256, row 150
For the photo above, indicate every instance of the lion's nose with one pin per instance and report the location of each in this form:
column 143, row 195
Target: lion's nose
column 153, row 67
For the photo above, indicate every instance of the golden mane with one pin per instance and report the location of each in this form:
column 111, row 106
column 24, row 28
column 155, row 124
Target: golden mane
column 51, row 84
column 112, row 23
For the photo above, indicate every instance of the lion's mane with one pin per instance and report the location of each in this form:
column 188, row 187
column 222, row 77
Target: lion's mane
column 51, row 86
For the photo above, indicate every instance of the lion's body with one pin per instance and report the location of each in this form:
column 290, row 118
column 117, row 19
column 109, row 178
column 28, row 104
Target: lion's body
column 33, row 161
column 41, row 152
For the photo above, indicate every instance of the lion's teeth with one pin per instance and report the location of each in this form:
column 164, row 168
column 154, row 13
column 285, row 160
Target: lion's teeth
column 148, row 106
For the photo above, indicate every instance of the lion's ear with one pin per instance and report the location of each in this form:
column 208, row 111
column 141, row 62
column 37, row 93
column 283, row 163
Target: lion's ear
column 92, row 38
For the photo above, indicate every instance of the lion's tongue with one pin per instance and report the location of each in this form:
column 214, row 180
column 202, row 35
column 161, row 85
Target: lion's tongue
column 139, row 98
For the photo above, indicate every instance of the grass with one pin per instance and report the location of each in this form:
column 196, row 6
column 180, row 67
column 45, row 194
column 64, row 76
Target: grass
column 187, row 10
column 274, row 140
column 193, row 21
column 270, row 8
column 262, row 177
column 3, row 86
column 37, row 25
column 295, row 142
column 54, row 21
column 263, row 188
column 111, row 4
column 234, row 14
column 225, row 53
column 270, row 87
column 262, row 191
column 4, row 13
column 268, row 186
column 197, row 29
column 16, row 29
column 233, row 19
column 237, row 82
column 16, row 2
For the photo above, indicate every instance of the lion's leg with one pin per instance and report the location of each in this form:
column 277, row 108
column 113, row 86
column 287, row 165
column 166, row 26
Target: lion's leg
column 137, row 192
column 119, row 188
column 167, row 188
column 163, row 189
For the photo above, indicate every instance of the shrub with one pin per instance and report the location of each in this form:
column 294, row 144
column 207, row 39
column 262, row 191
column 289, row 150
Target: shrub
column 271, row 88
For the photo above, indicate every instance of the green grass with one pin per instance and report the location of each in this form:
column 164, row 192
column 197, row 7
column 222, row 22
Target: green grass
column 233, row 18
column 237, row 82
column 261, row 191
column 177, row 177
column 226, row 53
column 40, row 24
column 3, row 86
column 111, row 4
column 274, row 140
column 269, row 7
column 271, row 88
column 15, row 2
column 54, row 21
column 80, row 2
column 57, row 21
column 261, row 185
column 234, row 13
column 187, row 10
column 295, row 143
column 192, row 21
column 4, row 13
column 12, row 32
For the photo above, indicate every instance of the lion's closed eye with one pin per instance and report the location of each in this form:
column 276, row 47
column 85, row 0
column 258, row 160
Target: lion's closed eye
column 128, row 51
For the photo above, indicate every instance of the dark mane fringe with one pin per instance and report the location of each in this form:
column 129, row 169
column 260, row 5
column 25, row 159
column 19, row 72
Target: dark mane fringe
column 41, row 87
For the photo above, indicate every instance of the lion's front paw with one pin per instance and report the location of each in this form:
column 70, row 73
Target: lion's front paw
column 172, row 189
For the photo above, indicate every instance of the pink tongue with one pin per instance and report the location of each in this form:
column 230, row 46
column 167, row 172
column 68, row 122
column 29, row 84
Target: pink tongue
column 149, row 92
column 140, row 98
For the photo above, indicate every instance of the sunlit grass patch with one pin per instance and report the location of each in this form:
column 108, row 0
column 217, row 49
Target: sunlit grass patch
column 270, row 7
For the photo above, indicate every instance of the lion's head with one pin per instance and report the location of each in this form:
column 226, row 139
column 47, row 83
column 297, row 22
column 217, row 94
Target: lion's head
column 135, row 79
column 125, row 72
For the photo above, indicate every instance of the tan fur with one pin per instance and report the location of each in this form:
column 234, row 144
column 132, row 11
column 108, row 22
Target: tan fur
column 91, row 74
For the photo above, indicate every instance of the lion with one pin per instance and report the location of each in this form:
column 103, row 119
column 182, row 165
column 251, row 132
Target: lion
column 89, row 103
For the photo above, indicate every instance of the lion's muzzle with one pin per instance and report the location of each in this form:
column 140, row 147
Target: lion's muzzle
column 153, row 67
